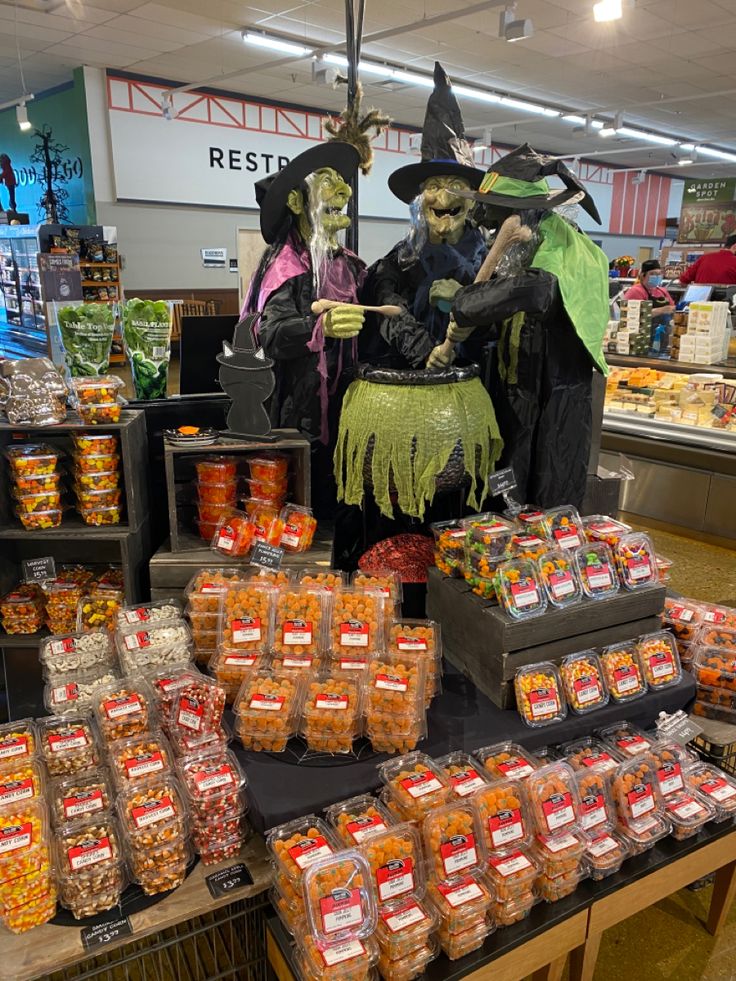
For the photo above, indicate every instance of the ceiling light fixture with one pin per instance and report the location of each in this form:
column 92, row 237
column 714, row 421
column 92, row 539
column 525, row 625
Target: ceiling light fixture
column 707, row 151
column 512, row 29
column 528, row 106
column 275, row 44
column 639, row 178
column 638, row 134
column 167, row 106
column 606, row 10
column 21, row 114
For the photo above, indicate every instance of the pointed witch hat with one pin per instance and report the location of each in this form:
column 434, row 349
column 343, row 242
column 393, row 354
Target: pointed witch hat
column 519, row 181
column 242, row 353
column 445, row 151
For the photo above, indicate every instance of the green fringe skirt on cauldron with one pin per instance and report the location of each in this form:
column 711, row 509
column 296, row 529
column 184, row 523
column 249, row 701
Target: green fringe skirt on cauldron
column 407, row 440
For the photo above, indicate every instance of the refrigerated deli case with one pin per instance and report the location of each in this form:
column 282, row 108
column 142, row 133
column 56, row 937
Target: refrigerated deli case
column 685, row 475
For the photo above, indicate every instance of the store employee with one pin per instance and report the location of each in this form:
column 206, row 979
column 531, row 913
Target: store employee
column 649, row 287
column 718, row 267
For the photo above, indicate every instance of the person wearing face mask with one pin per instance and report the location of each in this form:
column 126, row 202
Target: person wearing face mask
column 648, row 286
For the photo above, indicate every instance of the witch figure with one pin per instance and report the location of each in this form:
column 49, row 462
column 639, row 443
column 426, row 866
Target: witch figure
column 302, row 214
column 442, row 251
column 547, row 307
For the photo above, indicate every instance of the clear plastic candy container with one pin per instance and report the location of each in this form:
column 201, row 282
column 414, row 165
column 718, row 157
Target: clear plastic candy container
column 504, row 815
column 123, row 708
column 347, row 960
column 267, row 711
column 463, row 772
column 512, row 873
column 683, row 618
column 339, row 899
column 234, row 534
column 18, row 741
column 636, row 561
column 559, row 577
column 507, row 759
column 564, row 527
column 296, row 845
column 539, row 697
column 403, row 927
column 387, row 581
column 559, row 854
column 597, row 570
column 197, row 706
column 21, row 781
column 605, row 852
column 452, row 840
column 589, row 752
column 636, row 790
column 358, row 819
column 554, row 798
column 416, row 783
column 449, row 538
column 152, row 813
column 332, row 713
column 79, row 797
column 162, row 867
column 520, row 592
column 67, row 745
column 597, row 808
column 297, row 526
column 460, row 904
column 246, row 617
column 396, row 861
column 394, row 694
column 622, row 672
column 671, row 760
column 23, row 838
column 687, row 813
column 32, row 459
column 329, row 579
column 90, row 867
column 213, row 783
column 140, row 757
column 659, row 659
column 411, row 966
column 627, row 739
column 64, row 653
column 145, row 645
column 603, row 528
column 169, row 609
column 300, row 612
column 582, row 676
column 715, row 786
column 357, row 622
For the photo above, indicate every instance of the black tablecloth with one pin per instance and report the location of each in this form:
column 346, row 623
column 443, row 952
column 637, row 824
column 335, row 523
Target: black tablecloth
column 280, row 787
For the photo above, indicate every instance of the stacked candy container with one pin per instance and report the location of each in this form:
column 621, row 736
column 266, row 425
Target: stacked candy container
column 214, row 787
column 298, row 637
column 295, row 528
column 420, row 637
column 559, row 846
column 627, row 739
column 293, row 847
column 641, row 813
column 90, row 865
column 153, row 818
column 683, row 618
column 27, row 884
column 22, row 610
column 636, row 561
column 488, row 543
column 585, row 687
column 98, row 609
column 564, row 527
column 267, row 710
column 216, row 492
column 268, row 480
column 714, row 786
column 203, row 604
column 659, row 659
column 245, row 632
column 559, row 577
column 597, row 570
column 357, row 624
column 96, row 454
column 388, row 583
column 520, row 591
column 605, row 849
column 622, row 671
column 714, row 670
column 588, row 752
column 98, row 399
column 332, row 713
column 415, row 784
column 36, row 484
column 359, row 818
column 504, row 813
column 687, row 811
column 61, row 599
column 462, row 907
column 395, row 703
column 449, row 547
column 507, row 759
column 602, row 528
column 234, row 534
column 464, row 773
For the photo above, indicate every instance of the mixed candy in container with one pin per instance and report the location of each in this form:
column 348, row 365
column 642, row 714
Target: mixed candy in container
column 67, row 745
column 659, row 659
column 358, row 819
column 622, row 672
column 559, row 577
column 671, row 761
column 564, row 527
column 97, row 389
column 627, row 739
column 98, row 610
column 638, row 800
column 597, row 570
column 449, row 547
column 687, row 813
column 636, row 561
column 124, row 708
column 331, row 717
column 464, row 773
column 682, row 618
column 90, row 866
column 267, row 711
column 582, row 677
column 80, row 796
column 519, row 589
column 21, row 611
column 587, row 752
column 714, row 786
column 603, row 528
column 197, row 706
column 539, row 694
column 139, row 758
column 605, row 852
column 32, row 459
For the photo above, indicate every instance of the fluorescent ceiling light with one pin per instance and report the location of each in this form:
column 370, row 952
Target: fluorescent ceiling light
column 637, row 134
column 687, row 146
column 607, row 131
column 528, row 106
column 275, row 43
column 707, row 151
column 336, row 59
column 424, row 80
column 479, row 95
column 606, row 10
column 21, row 114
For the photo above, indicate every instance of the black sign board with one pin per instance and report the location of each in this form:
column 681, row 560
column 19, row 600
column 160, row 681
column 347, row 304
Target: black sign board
column 227, row 880
column 39, row 570
column 60, row 277
column 267, row 556
column 501, row 482
column 105, row 933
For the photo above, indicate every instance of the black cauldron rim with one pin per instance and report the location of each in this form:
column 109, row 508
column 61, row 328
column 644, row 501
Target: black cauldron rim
column 417, row 376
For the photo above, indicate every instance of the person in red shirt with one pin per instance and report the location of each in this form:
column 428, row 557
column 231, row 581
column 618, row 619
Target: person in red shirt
column 648, row 287
column 7, row 177
column 714, row 267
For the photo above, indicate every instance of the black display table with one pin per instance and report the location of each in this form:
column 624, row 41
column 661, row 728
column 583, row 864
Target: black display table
column 461, row 718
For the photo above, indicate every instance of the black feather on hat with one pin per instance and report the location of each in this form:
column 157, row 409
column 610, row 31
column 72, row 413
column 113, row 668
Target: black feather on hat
column 445, row 151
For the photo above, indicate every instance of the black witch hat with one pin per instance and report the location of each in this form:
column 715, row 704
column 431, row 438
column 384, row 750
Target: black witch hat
column 272, row 192
column 518, row 181
column 445, row 151
column 242, row 353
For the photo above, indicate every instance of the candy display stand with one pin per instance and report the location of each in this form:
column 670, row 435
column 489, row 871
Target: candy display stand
column 489, row 646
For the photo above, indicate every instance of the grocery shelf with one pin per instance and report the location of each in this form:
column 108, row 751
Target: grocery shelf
column 22, row 640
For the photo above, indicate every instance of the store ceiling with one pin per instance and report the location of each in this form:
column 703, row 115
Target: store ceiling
column 668, row 65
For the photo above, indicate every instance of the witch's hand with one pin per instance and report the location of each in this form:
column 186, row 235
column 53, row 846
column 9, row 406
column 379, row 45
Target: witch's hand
column 443, row 291
column 343, row 322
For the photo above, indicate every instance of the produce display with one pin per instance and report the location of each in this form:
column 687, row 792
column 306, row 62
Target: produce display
column 147, row 342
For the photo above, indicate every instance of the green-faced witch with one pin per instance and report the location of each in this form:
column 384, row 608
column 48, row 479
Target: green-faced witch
column 441, row 251
column 302, row 216
column 547, row 307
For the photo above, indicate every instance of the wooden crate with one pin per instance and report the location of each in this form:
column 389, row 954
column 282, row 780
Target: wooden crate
column 489, row 647
column 179, row 463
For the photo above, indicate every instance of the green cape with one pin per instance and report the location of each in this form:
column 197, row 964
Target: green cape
column 581, row 269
